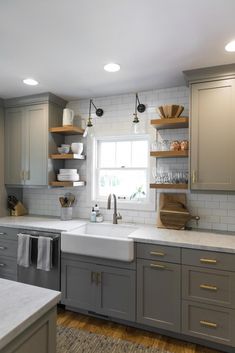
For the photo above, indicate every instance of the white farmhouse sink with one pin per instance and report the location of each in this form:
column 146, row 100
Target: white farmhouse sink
column 109, row 241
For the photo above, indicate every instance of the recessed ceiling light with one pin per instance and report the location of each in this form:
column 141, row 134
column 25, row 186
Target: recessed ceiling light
column 112, row 67
column 230, row 46
column 30, row 81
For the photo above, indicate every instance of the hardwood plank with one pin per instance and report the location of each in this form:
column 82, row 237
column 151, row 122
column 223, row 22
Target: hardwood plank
column 108, row 328
column 168, row 186
column 170, row 123
column 67, row 130
column 67, row 156
column 169, row 154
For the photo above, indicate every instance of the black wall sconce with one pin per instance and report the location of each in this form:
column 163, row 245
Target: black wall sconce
column 138, row 107
column 98, row 111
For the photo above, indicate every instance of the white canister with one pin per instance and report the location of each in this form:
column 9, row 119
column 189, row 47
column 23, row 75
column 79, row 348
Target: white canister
column 68, row 115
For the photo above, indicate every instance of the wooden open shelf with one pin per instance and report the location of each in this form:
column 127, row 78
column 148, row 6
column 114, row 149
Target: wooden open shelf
column 169, row 154
column 67, row 156
column 67, row 183
column 67, row 130
column 170, row 123
column 168, row 186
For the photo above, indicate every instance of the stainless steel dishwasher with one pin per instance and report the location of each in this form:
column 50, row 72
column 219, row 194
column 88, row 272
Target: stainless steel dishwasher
column 31, row 275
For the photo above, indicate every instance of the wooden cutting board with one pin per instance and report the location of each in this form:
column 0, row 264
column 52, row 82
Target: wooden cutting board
column 172, row 211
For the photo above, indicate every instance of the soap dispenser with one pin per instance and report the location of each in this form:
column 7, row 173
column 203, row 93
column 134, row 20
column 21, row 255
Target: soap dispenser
column 93, row 215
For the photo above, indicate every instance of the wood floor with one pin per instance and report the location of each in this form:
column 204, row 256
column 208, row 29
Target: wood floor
column 79, row 321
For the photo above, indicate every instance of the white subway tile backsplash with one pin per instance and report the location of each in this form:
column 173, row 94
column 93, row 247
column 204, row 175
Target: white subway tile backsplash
column 217, row 211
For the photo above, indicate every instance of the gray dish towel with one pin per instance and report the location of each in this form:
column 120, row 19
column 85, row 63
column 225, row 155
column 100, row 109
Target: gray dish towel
column 24, row 250
column 44, row 260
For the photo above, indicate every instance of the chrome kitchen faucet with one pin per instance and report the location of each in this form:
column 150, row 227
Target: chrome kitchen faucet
column 116, row 216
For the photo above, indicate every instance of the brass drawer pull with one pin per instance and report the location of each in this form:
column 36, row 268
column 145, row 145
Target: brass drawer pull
column 2, row 233
column 209, row 287
column 208, row 261
column 2, row 265
column 158, row 266
column 157, row 253
column 208, row 324
column 3, row 248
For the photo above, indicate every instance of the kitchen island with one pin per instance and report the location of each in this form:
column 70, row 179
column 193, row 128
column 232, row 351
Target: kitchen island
column 28, row 318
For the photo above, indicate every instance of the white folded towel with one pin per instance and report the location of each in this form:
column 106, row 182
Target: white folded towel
column 24, row 250
column 44, row 260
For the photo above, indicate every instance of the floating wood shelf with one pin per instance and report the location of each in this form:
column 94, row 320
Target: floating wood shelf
column 67, row 183
column 67, row 130
column 168, row 186
column 170, row 123
column 169, row 154
column 67, row 156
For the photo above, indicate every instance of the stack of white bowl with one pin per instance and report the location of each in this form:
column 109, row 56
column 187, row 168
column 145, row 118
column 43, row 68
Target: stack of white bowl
column 68, row 175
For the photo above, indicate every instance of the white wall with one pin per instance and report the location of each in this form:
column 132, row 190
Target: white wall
column 217, row 211
column 3, row 210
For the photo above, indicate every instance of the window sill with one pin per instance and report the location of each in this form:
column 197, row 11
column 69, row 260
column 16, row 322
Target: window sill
column 137, row 206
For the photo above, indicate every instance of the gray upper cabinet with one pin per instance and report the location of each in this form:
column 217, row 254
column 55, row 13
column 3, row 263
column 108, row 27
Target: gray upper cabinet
column 14, row 164
column 27, row 143
column 212, row 128
column 212, row 135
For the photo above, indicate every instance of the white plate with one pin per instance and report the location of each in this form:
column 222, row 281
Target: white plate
column 74, row 177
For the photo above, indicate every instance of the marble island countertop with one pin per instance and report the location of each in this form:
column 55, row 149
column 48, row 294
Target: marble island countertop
column 20, row 306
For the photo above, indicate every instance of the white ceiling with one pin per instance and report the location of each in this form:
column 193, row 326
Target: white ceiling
column 64, row 44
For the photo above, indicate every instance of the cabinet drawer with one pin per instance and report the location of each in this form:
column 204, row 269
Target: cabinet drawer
column 210, row 259
column 8, row 248
column 158, row 252
column 209, row 286
column 8, row 233
column 8, row 265
column 208, row 322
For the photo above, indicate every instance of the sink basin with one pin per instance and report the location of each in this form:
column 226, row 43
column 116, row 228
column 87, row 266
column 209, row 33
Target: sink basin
column 108, row 241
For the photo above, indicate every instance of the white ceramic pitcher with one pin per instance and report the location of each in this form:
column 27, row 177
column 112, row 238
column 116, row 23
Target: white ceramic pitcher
column 68, row 115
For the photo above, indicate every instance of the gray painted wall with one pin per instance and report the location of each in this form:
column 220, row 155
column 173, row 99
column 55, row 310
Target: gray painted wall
column 3, row 210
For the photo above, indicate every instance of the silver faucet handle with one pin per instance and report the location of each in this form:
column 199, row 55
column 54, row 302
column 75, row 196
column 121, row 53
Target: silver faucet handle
column 119, row 216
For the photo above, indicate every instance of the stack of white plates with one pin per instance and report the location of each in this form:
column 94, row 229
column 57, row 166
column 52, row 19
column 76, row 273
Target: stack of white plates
column 68, row 175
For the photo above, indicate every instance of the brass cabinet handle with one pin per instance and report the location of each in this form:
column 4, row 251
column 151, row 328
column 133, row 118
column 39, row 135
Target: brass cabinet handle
column 3, row 248
column 194, row 178
column 158, row 266
column 208, row 261
column 2, row 265
column 208, row 324
column 209, row 287
column 155, row 253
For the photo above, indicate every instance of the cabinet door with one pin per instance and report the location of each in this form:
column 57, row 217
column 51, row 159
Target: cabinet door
column 117, row 292
column 212, row 135
column 79, row 285
column 158, row 294
column 36, row 138
column 14, row 153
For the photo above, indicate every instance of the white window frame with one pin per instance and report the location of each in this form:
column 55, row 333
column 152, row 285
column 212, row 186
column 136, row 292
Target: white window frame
column 148, row 204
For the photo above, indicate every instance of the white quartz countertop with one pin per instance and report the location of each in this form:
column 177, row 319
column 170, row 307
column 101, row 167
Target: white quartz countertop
column 185, row 238
column 20, row 306
column 52, row 224
column 144, row 234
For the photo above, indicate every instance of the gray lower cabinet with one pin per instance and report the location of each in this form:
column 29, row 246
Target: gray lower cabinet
column 104, row 290
column 208, row 293
column 39, row 337
column 158, row 294
column 8, row 253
